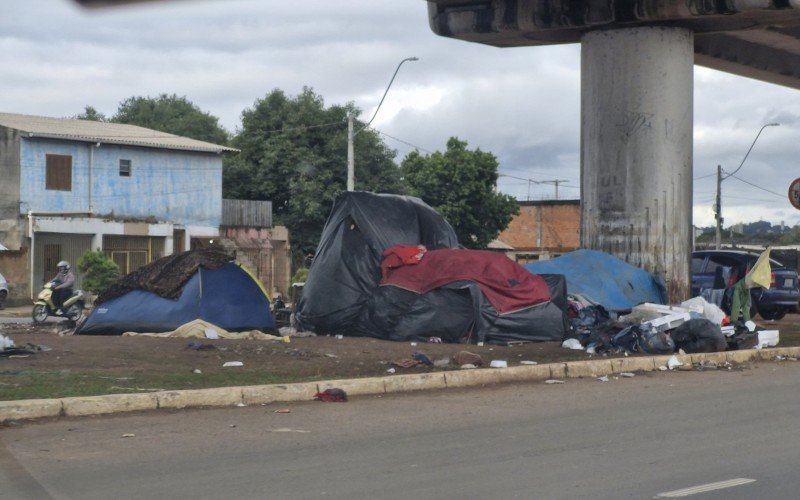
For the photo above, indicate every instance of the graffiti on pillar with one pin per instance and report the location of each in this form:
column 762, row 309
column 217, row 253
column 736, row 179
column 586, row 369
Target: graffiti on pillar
column 611, row 192
column 631, row 123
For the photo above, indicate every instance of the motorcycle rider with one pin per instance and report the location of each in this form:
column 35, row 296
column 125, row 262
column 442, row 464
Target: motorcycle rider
column 65, row 279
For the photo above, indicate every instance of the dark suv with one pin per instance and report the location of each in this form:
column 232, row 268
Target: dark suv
column 721, row 269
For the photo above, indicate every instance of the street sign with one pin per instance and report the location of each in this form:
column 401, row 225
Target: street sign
column 794, row 193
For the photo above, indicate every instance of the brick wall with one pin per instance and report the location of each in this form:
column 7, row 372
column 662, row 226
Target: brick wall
column 560, row 226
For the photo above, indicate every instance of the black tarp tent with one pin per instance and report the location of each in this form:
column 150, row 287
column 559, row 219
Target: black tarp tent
column 342, row 294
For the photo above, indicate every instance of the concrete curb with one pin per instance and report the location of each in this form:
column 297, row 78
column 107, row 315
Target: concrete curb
column 263, row 394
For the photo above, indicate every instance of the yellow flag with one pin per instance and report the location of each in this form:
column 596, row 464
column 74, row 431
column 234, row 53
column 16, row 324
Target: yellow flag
column 761, row 274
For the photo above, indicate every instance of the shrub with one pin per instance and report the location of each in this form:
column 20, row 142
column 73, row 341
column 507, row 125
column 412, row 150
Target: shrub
column 99, row 272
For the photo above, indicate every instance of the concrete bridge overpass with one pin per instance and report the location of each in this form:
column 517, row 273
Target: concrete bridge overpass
column 636, row 99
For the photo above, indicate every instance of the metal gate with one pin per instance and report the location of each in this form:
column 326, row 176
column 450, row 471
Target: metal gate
column 51, row 248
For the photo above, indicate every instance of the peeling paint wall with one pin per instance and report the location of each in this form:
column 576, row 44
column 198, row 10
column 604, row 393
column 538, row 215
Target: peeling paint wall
column 182, row 187
column 10, row 224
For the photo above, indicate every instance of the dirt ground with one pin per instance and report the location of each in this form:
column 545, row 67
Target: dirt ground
column 85, row 365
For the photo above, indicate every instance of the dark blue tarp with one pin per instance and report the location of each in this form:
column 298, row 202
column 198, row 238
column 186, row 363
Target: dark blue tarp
column 228, row 297
column 603, row 279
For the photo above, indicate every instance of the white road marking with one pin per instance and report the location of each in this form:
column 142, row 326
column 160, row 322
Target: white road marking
column 704, row 488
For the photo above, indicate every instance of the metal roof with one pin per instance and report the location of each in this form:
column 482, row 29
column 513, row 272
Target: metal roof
column 103, row 132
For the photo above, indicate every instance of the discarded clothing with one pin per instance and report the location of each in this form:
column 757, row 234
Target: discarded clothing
column 401, row 255
column 740, row 308
column 334, row 395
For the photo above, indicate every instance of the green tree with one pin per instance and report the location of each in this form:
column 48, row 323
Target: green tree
column 90, row 113
column 172, row 114
column 99, row 272
column 294, row 153
column 461, row 185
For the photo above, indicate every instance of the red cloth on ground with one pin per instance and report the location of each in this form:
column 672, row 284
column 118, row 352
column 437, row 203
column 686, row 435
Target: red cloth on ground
column 506, row 284
column 401, row 255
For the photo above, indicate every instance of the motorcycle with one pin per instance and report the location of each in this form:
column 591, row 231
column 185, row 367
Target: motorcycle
column 72, row 308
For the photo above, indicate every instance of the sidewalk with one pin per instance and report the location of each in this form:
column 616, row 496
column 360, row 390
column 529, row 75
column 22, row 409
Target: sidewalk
column 16, row 312
column 554, row 373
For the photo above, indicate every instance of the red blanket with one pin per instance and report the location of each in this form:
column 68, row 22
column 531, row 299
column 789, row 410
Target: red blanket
column 506, row 284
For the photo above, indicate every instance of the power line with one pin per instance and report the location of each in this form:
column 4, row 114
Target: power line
column 756, row 186
column 403, row 142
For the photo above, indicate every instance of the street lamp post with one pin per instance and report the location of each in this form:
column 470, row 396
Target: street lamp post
column 351, row 180
column 720, row 178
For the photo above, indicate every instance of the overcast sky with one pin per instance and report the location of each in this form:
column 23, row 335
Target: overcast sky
column 521, row 104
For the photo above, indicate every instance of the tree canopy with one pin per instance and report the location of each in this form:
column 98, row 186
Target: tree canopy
column 294, row 153
column 90, row 113
column 169, row 113
column 461, row 185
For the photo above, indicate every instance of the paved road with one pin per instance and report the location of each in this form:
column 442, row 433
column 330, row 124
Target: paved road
column 627, row 438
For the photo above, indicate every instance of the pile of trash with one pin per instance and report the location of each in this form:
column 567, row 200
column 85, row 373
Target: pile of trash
column 9, row 349
column 693, row 327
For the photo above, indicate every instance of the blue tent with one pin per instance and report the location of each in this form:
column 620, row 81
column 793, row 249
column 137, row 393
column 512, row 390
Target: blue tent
column 228, row 297
column 603, row 279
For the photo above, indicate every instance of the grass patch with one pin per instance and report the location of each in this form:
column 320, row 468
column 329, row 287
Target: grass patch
column 44, row 385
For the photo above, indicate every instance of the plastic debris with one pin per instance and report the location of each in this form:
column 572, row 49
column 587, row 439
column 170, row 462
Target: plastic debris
column 663, row 368
column 197, row 371
column 468, row 366
column 241, row 405
column 604, row 378
column 441, row 363
column 750, row 326
column 339, row 337
column 211, row 333
column 526, row 362
column 553, row 381
column 334, row 395
column 498, row 363
column 435, row 340
column 282, row 410
column 129, row 435
column 6, row 343
column 627, row 374
column 768, row 338
column 673, row 363
column 391, row 370
column 572, row 344
column 229, row 364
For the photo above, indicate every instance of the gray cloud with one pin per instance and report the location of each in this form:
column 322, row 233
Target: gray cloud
column 521, row 104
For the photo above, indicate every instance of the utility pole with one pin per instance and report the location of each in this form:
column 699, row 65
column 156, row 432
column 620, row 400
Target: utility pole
column 718, row 207
column 555, row 183
column 351, row 171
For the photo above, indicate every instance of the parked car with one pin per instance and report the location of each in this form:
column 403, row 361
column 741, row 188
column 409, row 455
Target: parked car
column 3, row 291
column 721, row 269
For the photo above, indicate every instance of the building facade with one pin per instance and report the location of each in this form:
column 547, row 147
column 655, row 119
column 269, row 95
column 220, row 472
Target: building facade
column 73, row 185
column 543, row 230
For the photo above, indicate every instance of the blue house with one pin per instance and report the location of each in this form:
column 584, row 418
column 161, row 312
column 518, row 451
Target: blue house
column 67, row 186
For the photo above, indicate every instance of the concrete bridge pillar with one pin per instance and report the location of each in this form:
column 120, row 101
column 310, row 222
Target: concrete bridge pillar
column 636, row 148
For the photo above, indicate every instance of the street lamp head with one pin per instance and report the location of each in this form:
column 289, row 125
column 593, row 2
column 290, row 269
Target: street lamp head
column 412, row 59
column 772, row 125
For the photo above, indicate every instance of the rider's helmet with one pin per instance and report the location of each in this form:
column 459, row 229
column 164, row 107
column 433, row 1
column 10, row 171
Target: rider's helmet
column 63, row 266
